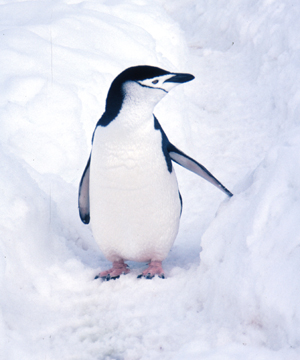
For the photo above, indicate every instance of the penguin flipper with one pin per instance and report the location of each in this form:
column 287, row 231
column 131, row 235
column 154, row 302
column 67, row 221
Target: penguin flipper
column 84, row 196
column 187, row 162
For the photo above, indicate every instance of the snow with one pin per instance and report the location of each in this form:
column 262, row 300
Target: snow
column 240, row 118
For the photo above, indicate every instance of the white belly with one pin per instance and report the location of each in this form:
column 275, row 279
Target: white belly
column 134, row 200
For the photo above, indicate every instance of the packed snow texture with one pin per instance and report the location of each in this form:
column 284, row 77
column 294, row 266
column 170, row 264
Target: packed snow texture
column 240, row 298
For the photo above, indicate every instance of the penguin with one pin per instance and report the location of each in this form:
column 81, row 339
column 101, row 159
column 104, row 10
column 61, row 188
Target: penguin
column 129, row 191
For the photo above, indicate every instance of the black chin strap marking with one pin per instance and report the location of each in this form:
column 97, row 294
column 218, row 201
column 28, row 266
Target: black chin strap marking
column 150, row 87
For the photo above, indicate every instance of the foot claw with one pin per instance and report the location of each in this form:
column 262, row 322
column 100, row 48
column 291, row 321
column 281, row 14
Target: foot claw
column 155, row 268
column 119, row 268
column 114, row 277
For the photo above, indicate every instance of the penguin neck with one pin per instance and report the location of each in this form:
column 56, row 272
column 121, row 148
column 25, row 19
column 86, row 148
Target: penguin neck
column 135, row 114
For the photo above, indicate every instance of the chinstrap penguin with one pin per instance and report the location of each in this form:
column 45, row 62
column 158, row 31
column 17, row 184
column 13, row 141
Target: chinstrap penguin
column 128, row 190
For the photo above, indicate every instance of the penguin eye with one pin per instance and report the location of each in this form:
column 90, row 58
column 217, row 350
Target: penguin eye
column 154, row 81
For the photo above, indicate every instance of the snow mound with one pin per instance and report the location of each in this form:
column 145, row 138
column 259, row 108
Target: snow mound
column 239, row 117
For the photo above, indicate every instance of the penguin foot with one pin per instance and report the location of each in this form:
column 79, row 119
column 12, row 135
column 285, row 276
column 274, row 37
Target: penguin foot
column 154, row 268
column 119, row 268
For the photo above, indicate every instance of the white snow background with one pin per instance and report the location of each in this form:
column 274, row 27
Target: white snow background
column 240, row 117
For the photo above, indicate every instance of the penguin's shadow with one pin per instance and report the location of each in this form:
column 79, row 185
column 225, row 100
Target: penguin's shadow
column 179, row 257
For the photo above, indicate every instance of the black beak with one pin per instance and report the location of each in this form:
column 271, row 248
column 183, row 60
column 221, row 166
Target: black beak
column 180, row 78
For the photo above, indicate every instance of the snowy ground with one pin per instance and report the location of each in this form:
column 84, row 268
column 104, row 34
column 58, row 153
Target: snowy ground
column 240, row 117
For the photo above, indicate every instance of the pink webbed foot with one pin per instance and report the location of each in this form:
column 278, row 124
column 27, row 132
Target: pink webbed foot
column 118, row 268
column 154, row 268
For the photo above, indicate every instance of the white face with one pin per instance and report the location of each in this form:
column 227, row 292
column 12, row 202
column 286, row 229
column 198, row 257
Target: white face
column 145, row 94
column 159, row 83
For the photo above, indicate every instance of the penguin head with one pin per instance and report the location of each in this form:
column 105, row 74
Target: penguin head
column 142, row 86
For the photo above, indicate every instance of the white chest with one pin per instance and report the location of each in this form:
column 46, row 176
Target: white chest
column 127, row 158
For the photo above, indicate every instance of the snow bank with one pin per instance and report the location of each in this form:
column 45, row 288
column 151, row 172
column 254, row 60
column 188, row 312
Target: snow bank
column 239, row 117
column 256, row 254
